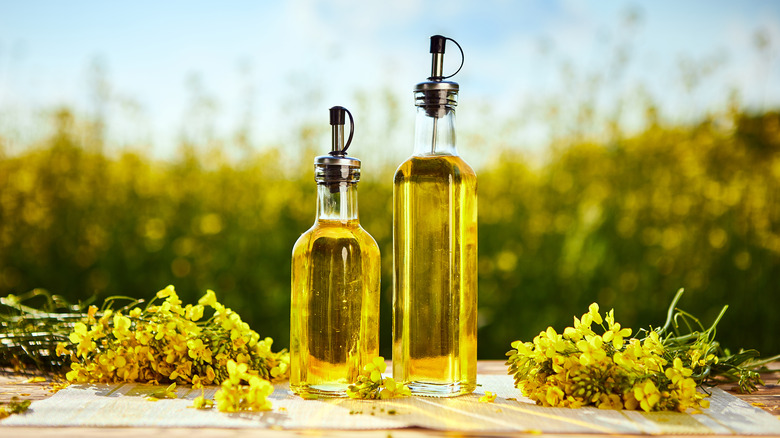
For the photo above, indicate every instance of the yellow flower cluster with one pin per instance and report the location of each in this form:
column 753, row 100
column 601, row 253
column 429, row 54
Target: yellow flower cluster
column 583, row 368
column 243, row 390
column 173, row 343
column 371, row 385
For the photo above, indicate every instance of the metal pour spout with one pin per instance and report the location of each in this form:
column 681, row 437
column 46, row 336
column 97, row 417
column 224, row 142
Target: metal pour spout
column 337, row 121
column 438, row 44
column 438, row 96
column 336, row 168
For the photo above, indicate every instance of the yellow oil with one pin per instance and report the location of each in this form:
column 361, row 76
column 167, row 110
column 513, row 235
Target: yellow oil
column 435, row 275
column 335, row 307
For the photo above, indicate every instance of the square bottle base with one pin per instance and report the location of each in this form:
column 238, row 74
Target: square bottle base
column 428, row 389
column 335, row 390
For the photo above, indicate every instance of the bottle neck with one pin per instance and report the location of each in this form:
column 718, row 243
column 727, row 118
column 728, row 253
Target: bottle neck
column 337, row 202
column 435, row 134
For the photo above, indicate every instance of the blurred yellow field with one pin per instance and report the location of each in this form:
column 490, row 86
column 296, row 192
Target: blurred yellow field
column 625, row 223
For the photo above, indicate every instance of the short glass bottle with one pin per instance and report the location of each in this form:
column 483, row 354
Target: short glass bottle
column 334, row 328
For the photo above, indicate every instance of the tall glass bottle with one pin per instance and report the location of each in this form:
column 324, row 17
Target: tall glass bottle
column 435, row 250
column 334, row 327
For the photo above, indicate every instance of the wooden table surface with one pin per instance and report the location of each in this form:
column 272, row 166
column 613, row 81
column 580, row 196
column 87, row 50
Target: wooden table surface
column 767, row 398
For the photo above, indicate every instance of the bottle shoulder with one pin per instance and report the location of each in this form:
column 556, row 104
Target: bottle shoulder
column 431, row 166
column 339, row 233
column 368, row 240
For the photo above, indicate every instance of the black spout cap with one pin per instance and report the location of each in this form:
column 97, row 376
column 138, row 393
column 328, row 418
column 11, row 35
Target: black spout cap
column 437, row 43
column 338, row 115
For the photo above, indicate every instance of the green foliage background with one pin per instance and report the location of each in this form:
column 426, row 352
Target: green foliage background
column 624, row 221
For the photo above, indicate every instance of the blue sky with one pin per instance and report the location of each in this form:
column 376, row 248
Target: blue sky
column 290, row 61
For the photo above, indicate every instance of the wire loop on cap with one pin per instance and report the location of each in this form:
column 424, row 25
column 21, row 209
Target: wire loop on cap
column 351, row 131
column 462, row 60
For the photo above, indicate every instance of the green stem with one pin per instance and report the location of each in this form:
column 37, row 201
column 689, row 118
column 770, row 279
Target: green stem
column 764, row 361
column 133, row 302
column 717, row 320
column 670, row 312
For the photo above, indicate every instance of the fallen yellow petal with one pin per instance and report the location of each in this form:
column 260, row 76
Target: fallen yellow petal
column 489, row 397
column 38, row 379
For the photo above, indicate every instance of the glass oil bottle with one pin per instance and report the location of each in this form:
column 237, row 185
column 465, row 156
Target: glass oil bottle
column 435, row 249
column 334, row 328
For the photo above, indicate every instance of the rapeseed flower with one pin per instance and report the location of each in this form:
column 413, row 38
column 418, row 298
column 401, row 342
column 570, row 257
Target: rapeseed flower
column 198, row 350
column 168, row 343
column 615, row 334
column 243, row 390
column 392, row 389
column 607, row 370
column 647, row 395
column 371, row 385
